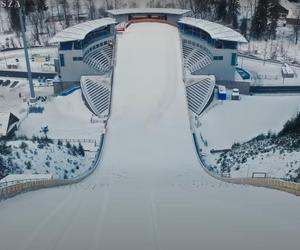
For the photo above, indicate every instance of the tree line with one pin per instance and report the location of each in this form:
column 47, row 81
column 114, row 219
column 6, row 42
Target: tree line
column 46, row 17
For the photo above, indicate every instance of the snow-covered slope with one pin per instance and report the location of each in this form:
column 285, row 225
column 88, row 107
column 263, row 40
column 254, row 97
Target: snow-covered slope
column 66, row 117
column 233, row 121
column 150, row 192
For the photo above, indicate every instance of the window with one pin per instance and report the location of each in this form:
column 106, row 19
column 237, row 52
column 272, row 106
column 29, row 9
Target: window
column 77, row 58
column 77, row 45
column 230, row 45
column 218, row 58
column 66, row 46
column 62, row 60
column 233, row 59
column 219, row 44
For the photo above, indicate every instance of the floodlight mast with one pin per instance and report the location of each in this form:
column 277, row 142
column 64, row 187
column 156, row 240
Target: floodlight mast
column 22, row 23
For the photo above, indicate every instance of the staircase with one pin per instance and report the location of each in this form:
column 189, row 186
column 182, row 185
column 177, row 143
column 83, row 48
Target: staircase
column 199, row 90
column 195, row 58
column 99, row 57
column 96, row 91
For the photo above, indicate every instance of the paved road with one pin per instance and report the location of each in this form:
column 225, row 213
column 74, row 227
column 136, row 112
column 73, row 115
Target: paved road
column 150, row 192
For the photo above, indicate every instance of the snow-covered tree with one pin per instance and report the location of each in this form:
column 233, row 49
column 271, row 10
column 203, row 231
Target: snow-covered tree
column 244, row 27
column 259, row 25
column 273, row 15
column 234, row 8
column 77, row 7
column 221, row 10
column 91, row 9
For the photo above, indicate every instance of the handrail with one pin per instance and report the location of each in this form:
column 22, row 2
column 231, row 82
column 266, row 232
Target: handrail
column 277, row 184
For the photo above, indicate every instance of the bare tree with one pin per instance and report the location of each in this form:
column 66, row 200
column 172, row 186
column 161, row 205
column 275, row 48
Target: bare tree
column 202, row 8
column 296, row 25
column 109, row 4
column 132, row 5
column 37, row 18
column 91, row 9
column 119, row 4
column 182, row 4
column 77, row 7
column 58, row 14
column 66, row 12
column 51, row 18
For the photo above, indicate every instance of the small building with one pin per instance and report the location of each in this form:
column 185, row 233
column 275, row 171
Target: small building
column 291, row 11
column 8, row 123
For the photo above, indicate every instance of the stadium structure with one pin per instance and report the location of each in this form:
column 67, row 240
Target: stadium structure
column 87, row 55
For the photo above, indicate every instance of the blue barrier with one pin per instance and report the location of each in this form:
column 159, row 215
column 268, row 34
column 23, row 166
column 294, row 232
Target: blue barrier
column 243, row 73
column 70, row 91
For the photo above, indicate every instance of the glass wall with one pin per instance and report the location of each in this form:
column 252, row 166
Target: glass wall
column 96, row 35
column 90, row 38
column 198, row 33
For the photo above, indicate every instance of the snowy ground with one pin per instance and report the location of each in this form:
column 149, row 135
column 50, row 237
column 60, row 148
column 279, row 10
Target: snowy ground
column 10, row 100
column 283, row 48
column 274, row 157
column 66, row 117
column 268, row 73
column 240, row 121
column 232, row 122
column 150, row 191
column 9, row 57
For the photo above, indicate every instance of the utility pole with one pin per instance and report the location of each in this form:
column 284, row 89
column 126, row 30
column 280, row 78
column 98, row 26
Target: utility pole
column 22, row 23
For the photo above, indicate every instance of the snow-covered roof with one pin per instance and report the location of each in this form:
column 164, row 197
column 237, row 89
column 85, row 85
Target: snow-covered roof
column 117, row 12
column 292, row 7
column 215, row 30
column 5, row 124
column 4, row 120
column 79, row 31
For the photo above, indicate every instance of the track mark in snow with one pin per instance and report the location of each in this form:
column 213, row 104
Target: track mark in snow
column 52, row 216
column 154, row 221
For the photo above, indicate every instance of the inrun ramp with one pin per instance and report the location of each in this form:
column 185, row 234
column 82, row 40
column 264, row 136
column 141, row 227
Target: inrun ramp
column 150, row 192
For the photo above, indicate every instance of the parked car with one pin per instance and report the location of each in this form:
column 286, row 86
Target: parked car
column 235, row 94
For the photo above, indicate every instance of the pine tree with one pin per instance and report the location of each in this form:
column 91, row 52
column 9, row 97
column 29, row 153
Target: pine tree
column 273, row 15
column 221, row 10
column 244, row 27
column 259, row 25
column 13, row 14
column 81, row 150
column 234, row 8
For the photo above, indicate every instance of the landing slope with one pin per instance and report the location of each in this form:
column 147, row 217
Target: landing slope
column 150, row 192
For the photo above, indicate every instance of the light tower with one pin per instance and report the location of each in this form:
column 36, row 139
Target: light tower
column 23, row 29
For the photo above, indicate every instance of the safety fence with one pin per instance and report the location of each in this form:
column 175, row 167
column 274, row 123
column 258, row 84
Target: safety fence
column 76, row 140
column 12, row 188
column 278, row 184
